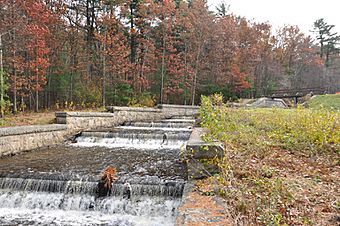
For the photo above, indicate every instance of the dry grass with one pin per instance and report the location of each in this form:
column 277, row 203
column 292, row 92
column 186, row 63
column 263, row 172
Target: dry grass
column 28, row 118
column 281, row 166
column 279, row 188
column 33, row 118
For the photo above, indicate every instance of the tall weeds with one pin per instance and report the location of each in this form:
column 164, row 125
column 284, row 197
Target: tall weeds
column 256, row 189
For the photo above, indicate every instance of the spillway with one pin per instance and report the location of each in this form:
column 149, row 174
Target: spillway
column 58, row 185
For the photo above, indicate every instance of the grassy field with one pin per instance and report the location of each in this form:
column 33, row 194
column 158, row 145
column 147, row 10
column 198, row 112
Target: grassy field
column 331, row 101
column 28, row 118
column 33, row 118
column 282, row 166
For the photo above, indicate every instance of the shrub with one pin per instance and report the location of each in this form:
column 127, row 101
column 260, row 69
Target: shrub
column 143, row 100
column 303, row 130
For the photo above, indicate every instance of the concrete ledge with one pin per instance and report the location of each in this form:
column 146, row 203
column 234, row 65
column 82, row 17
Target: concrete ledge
column 201, row 156
column 170, row 110
column 120, row 115
column 115, row 109
column 201, row 149
column 182, row 214
column 16, row 139
column 63, row 116
column 18, row 130
column 164, row 106
column 83, row 114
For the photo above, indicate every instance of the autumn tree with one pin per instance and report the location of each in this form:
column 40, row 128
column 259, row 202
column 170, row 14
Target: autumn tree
column 220, row 56
column 296, row 53
column 61, row 53
column 115, row 61
column 200, row 34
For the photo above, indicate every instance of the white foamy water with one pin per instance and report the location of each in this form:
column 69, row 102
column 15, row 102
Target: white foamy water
column 75, row 218
column 119, row 142
column 154, row 128
column 179, row 120
column 39, row 208
column 25, row 201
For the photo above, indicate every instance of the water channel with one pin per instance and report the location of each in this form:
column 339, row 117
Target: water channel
column 58, row 185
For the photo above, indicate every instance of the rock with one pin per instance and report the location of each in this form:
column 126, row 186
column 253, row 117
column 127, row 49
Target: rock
column 268, row 103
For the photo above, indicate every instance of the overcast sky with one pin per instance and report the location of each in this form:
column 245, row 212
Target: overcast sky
column 286, row 12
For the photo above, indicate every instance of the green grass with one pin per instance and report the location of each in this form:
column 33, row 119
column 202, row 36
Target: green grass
column 273, row 159
column 331, row 102
column 300, row 130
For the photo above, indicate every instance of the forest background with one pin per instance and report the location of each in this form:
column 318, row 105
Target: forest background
column 92, row 53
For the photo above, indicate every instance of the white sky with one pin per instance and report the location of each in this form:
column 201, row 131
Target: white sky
column 286, row 12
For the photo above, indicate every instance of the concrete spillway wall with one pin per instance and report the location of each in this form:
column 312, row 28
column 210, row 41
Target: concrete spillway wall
column 21, row 138
column 119, row 115
column 14, row 140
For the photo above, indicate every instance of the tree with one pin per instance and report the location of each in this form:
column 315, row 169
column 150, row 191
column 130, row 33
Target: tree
column 37, row 34
column 222, row 9
column 296, row 54
column 2, row 86
column 328, row 39
column 115, row 64
column 93, row 52
column 200, row 33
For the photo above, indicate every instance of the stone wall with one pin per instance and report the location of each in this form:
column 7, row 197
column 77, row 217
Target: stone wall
column 21, row 138
column 169, row 110
column 16, row 139
column 116, row 116
column 200, row 155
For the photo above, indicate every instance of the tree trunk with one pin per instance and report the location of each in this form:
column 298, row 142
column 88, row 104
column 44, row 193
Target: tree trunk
column 30, row 101
column 49, row 92
column 104, row 77
column 132, row 37
column 15, row 109
column 186, row 73
column 1, row 81
column 163, row 71
column 22, row 104
column 37, row 93
column 195, row 76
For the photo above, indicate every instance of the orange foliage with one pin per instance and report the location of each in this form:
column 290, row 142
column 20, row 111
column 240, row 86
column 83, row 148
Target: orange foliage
column 109, row 176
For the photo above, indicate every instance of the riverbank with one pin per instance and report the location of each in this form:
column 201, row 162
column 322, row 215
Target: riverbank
column 281, row 166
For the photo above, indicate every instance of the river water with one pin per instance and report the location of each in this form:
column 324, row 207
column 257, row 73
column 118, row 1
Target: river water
column 58, row 185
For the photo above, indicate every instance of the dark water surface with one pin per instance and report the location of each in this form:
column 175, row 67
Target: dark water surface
column 58, row 185
column 68, row 162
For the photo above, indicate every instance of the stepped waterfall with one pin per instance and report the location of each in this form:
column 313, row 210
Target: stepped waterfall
column 59, row 185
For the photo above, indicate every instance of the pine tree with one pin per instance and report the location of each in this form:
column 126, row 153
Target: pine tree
column 328, row 39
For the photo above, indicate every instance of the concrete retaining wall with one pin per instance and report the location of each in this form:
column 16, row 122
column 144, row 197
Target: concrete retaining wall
column 201, row 156
column 22, row 138
column 117, row 116
column 170, row 110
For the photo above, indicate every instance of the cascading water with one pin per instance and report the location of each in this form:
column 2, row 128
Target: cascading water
column 138, row 136
column 59, row 185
